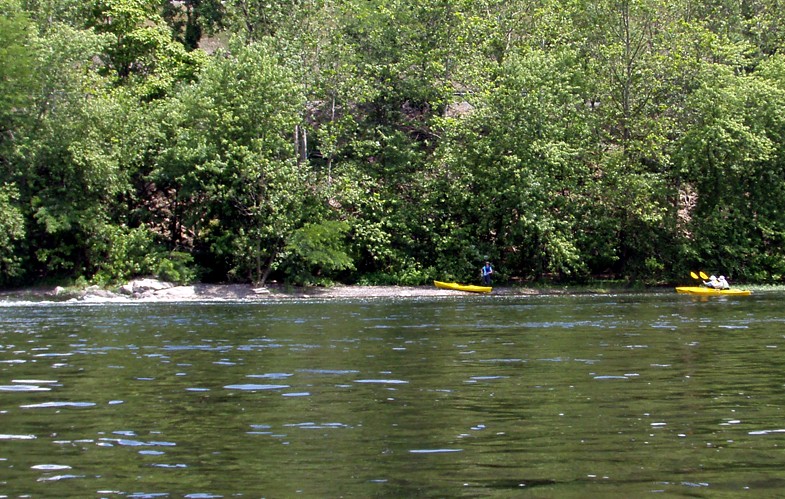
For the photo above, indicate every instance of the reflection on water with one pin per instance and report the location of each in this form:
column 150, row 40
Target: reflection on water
column 479, row 396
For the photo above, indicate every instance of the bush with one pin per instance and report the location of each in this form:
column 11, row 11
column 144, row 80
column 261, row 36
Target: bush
column 129, row 253
column 411, row 274
column 318, row 251
column 177, row 267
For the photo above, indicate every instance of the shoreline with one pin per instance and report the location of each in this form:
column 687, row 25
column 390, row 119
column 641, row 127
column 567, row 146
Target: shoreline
column 151, row 290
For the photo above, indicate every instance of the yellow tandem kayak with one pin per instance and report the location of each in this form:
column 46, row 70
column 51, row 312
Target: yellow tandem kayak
column 462, row 287
column 702, row 291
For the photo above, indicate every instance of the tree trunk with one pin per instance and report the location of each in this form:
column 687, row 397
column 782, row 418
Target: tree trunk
column 268, row 269
column 259, row 279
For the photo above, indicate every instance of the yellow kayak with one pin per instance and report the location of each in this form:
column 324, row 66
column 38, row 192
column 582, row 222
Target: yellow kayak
column 702, row 291
column 462, row 287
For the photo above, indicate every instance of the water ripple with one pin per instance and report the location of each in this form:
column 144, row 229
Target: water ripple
column 314, row 426
column 24, row 388
column 57, row 478
column 253, row 387
column 382, row 381
column 765, row 432
column 270, row 375
column 46, row 405
column 434, row 451
column 50, row 467
column 328, row 371
column 500, row 361
column 137, row 443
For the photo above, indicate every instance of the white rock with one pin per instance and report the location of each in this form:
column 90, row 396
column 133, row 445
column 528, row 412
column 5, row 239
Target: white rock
column 141, row 286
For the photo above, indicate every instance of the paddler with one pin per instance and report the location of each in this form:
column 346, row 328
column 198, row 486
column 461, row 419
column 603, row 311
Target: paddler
column 713, row 283
column 487, row 270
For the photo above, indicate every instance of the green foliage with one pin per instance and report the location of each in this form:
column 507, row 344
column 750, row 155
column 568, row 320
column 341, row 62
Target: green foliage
column 70, row 176
column 12, row 231
column 141, row 51
column 47, row 14
column 511, row 168
column 129, row 253
column 558, row 139
column 125, row 253
column 255, row 20
column 232, row 162
column 410, row 273
column 318, row 250
column 177, row 267
column 734, row 154
column 16, row 63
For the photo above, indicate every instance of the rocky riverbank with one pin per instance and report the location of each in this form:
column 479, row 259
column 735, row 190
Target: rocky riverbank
column 155, row 290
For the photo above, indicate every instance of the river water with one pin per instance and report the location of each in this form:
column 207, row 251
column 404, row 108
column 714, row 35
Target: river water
column 487, row 396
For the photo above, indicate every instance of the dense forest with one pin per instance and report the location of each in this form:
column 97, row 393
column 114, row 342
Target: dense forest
column 391, row 141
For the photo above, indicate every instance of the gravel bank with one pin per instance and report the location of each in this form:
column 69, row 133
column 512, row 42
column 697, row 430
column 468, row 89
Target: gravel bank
column 152, row 290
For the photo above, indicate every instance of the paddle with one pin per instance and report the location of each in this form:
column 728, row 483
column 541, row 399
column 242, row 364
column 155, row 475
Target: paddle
column 702, row 276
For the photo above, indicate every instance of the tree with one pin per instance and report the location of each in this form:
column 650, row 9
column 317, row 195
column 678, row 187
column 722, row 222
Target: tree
column 321, row 246
column 47, row 13
column 12, row 231
column 17, row 58
column 511, row 169
column 643, row 59
column 232, row 161
column 733, row 155
column 141, row 51
column 67, row 166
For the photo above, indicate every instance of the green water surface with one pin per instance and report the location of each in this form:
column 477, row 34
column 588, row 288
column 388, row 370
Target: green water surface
column 556, row 396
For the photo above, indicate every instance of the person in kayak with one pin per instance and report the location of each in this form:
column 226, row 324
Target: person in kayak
column 713, row 282
column 487, row 270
